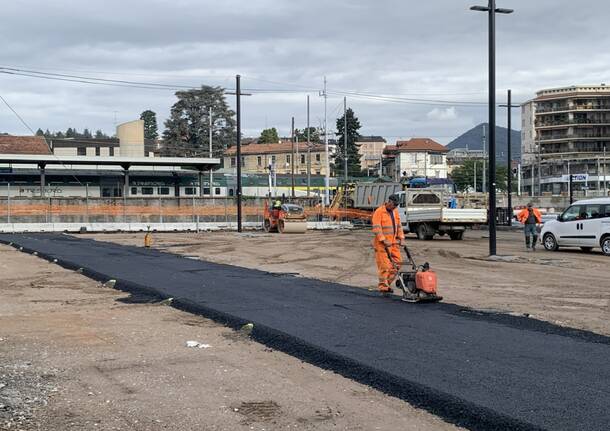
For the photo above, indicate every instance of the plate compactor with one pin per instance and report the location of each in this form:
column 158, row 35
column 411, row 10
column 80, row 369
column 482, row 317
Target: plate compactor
column 417, row 282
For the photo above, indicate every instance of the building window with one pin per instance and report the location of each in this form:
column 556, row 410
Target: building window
column 148, row 190
column 437, row 174
column 259, row 161
column 302, row 159
column 273, row 160
column 231, row 192
column 81, row 151
column 206, row 190
column 317, row 157
column 288, row 158
column 111, row 151
column 134, row 191
column 217, row 191
column 163, row 190
column 190, row 191
column 97, row 151
column 317, row 172
column 243, row 161
column 233, row 162
column 436, row 159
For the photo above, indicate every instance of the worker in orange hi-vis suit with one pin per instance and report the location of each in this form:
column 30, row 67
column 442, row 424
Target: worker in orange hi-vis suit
column 388, row 237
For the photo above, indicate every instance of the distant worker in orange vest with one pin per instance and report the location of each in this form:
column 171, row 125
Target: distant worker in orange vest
column 388, row 238
column 530, row 217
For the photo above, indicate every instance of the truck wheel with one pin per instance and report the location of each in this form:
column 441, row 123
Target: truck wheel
column 422, row 232
column 267, row 226
column 456, row 235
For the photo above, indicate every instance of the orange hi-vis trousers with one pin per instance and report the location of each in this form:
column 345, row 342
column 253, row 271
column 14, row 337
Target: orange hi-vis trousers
column 387, row 271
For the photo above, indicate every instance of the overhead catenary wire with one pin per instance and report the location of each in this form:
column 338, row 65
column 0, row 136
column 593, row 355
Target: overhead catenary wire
column 31, row 73
column 34, row 133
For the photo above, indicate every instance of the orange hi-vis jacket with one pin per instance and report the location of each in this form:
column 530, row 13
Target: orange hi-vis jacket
column 383, row 228
column 524, row 214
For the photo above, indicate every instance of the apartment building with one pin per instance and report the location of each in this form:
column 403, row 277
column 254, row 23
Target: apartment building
column 256, row 158
column 566, row 131
column 370, row 149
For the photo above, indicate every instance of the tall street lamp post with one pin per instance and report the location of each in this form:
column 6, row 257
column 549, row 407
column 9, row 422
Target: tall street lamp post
column 492, row 10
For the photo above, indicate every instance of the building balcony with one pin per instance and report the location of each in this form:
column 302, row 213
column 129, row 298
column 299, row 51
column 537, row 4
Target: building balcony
column 573, row 108
column 575, row 122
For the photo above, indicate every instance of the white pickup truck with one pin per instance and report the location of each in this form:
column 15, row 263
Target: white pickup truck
column 422, row 211
column 426, row 214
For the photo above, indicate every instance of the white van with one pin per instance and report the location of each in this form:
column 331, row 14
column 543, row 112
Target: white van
column 585, row 224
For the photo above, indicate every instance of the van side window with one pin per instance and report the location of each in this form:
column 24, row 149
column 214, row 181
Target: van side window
column 572, row 213
column 605, row 211
column 593, row 211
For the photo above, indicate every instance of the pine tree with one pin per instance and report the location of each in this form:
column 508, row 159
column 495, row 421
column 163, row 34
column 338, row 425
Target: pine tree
column 150, row 124
column 71, row 133
column 353, row 158
column 100, row 135
column 269, row 136
column 39, row 132
column 87, row 134
column 314, row 135
column 187, row 129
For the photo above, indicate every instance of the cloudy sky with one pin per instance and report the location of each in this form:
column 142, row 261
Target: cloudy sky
column 409, row 52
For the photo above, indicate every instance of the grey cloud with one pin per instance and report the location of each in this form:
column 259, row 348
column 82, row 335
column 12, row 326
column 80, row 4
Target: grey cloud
column 434, row 49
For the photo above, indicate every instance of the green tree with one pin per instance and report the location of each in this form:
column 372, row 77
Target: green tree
column 100, row 135
column 71, row 133
column 269, row 136
column 87, row 134
column 187, row 129
column 39, row 132
column 150, row 124
column 353, row 158
column 314, row 135
column 464, row 176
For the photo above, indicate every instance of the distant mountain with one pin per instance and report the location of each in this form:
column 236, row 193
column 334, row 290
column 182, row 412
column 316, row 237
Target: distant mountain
column 473, row 140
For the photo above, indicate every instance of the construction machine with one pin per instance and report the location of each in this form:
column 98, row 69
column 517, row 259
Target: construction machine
column 417, row 282
column 284, row 218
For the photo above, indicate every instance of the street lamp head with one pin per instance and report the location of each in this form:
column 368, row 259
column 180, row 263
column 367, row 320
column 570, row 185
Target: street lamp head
column 480, row 8
column 504, row 11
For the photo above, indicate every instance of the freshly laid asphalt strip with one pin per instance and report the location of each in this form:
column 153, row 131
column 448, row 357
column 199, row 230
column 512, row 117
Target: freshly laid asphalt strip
column 477, row 370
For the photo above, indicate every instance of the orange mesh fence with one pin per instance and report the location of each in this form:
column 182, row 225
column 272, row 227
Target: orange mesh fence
column 22, row 209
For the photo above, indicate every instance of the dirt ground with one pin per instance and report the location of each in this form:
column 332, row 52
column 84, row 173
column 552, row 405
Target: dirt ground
column 569, row 288
column 77, row 356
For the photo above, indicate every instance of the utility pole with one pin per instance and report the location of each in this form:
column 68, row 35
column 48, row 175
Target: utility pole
column 308, row 151
column 605, row 170
column 345, row 153
column 475, row 176
column 509, row 179
column 211, row 155
column 238, row 121
column 491, row 11
column 519, row 179
column 327, row 176
column 292, row 156
column 484, row 159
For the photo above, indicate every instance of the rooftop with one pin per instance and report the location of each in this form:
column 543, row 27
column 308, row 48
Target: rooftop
column 23, row 145
column 414, row 145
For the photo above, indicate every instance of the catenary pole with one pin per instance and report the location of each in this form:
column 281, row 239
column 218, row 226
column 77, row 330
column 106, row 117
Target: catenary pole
column 238, row 121
column 308, row 151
